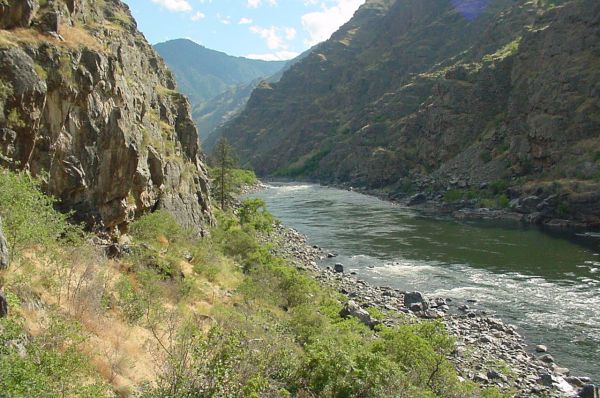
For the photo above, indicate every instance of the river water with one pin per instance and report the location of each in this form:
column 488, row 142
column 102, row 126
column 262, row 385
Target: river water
column 548, row 286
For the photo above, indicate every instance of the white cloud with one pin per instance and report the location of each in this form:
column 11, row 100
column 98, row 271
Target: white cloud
column 198, row 16
column 174, row 5
column 225, row 20
column 271, row 35
column 290, row 33
column 275, row 56
column 320, row 25
column 258, row 3
column 245, row 21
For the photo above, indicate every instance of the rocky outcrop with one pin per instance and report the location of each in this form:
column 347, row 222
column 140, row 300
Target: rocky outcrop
column 85, row 99
column 17, row 14
column 415, row 96
column 351, row 309
column 4, row 258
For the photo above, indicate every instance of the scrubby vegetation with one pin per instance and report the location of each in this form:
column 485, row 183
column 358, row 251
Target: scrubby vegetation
column 181, row 317
column 492, row 196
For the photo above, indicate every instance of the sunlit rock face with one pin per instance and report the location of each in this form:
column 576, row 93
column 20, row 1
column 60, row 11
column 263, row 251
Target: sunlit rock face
column 87, row 103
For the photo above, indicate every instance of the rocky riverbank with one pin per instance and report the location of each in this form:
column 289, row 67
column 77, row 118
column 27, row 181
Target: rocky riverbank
column 541, row 208
column 488, row 351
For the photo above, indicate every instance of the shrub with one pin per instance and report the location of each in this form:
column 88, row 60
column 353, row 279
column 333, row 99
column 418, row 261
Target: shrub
column 128, row 299
column 52, row 364
column 241, row 178
column 498, row 187
column 28, row 216
column 455, row 195
column 253, row 213
column 503, row 201
column 158, row 228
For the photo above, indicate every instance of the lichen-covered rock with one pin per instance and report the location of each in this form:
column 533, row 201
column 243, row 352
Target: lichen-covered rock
column 4, row 258
column 85, row 99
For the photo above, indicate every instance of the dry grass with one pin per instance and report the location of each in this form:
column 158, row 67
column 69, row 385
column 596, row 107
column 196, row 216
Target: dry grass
column 74, row 38
column 77, row 37
column 124, row 355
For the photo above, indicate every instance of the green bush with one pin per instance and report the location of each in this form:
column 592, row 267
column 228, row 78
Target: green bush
column 130, row 302
column 253, row 213
column 503, row 201
column 241, row 178
column 28, row 215
column 455, row 195
column 152, row 227
column 159, row 242
column 52, row 365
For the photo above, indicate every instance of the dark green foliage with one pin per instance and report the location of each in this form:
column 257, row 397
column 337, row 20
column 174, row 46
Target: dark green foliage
column 223, row 162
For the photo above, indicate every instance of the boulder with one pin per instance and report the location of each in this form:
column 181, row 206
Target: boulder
column 526, row 205
column 589, row 391
column 417, row 199
column 415, row 298
column 4, row 258
column 352, row 309
column 547, row 358
column 3, row 305
column 339, row 268
column 541, row 348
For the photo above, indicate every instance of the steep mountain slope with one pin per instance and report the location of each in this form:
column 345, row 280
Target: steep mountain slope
column 418, row 95
column 214, row 113
column 85, row 99
column 217, row 84
column 203, row 73
column 211, row 114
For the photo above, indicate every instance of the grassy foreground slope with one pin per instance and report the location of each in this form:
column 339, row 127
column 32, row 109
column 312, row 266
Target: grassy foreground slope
column 177, row 316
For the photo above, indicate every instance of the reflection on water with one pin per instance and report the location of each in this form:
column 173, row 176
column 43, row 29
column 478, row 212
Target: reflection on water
column 547, row 285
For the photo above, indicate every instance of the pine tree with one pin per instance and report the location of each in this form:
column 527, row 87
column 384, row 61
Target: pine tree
column 223, row 160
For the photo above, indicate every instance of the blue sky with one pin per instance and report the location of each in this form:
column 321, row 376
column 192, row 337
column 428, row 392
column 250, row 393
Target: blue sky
column 263, row 29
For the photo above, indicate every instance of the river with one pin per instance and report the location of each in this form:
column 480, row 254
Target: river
column 548, row 286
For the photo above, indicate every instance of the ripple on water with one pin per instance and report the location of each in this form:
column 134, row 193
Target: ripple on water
column 549, row 287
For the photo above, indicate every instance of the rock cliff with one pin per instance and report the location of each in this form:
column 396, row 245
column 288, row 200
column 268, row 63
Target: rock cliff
column 426, row 95
column 86, row 103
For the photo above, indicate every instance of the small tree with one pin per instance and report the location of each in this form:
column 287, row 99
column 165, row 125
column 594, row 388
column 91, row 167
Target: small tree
column 223, row 160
